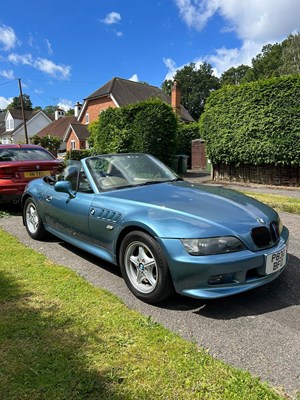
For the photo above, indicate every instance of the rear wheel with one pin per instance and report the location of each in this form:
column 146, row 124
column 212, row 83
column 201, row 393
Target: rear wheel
column 33, row 223
column 144, row 268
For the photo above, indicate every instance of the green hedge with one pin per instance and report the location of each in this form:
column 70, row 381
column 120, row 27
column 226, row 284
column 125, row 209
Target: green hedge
column 149, row 127
column 79, row 154
column 256, row 123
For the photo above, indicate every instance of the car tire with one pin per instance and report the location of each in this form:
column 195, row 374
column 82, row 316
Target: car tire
column 32, row 220
column 144, row 268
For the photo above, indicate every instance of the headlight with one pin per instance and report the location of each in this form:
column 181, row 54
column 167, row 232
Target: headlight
column 215, row 245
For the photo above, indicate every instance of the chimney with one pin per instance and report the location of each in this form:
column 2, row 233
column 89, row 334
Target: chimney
column 175, row 98
column 77, row 109
column 59, row 114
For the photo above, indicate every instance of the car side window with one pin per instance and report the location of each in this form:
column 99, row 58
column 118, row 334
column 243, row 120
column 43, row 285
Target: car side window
column 84, row 185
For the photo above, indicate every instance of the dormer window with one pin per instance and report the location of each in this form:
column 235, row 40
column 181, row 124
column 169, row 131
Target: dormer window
column 9, row 124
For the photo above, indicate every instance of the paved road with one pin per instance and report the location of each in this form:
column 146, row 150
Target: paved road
column 258, row 331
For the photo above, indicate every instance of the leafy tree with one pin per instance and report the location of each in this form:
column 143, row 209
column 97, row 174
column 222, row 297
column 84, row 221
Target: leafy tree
column 16, row 103
column 50, row 109
column 196, row 85
column 234, row 75
column 275, row 60
column 70, row 112
column 50, row 143
column 291, row 56
column 266, row 64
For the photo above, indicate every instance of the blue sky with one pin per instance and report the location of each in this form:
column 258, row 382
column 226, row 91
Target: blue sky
column 65, row 50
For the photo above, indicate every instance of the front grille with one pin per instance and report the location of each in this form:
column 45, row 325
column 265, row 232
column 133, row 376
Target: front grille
column 265, row 236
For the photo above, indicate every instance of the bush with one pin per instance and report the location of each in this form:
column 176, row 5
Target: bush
column 256, row 123
column 51, row 143
column 148, row 127
column 79, row 154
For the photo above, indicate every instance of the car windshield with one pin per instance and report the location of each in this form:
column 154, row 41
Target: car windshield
column 24, row 154
column 127, row 170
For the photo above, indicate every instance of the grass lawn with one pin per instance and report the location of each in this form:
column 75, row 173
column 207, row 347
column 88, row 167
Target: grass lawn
column 280, row 203
column 63, row 339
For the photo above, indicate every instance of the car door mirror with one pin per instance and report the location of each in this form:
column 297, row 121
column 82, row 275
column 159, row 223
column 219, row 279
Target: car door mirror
column 65, row 187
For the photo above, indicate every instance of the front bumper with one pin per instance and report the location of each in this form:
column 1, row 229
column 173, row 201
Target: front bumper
column 219, row 275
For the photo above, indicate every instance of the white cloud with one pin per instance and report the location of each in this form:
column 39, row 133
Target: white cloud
column 49, row 47
column 172, row 68
column 134, row 78
column 8, row 74
column 196, row 12
column 257, row 20
column 24, row 59
column 65, row 104
column 54, row 70
column 112, row 18
column 8, row 38
column 261, row 20
column 255, row 23
column 5, row 102
column 223, row 59
column 59, row 71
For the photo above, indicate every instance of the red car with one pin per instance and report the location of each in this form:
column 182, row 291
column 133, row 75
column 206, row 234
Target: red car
column 20, row 163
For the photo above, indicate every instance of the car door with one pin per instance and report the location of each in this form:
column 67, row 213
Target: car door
column 67, row 215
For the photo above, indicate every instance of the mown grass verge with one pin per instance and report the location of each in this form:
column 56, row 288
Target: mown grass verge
column 62, row 338
column 280, row 203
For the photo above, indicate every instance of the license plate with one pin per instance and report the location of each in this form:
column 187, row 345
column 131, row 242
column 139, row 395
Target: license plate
column 36, row 174
column 276, row 261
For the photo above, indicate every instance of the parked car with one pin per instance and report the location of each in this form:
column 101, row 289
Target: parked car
column 21, row 163
column 164, row 233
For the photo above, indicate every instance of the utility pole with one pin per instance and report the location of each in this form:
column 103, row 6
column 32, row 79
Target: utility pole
column 23, row 112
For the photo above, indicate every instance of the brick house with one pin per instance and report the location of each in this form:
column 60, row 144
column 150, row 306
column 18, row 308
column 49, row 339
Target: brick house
column 116, row 93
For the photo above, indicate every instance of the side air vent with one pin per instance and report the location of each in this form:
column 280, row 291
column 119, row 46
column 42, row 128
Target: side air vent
column 108, row 215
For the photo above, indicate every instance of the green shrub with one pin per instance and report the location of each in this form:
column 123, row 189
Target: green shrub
column 79, row 154
column 149, row 127
column 256, row 123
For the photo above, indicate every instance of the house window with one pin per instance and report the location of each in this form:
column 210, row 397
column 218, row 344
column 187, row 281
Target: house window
column 87, row 118
column 10, row 124
column 73, row 145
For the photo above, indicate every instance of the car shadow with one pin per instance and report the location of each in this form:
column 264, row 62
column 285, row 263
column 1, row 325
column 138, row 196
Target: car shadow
column 13, row 209
column 114, row 269
column 277, row 295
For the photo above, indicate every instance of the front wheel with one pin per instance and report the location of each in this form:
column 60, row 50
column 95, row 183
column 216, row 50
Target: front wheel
column 144, row 268
column 33, row 223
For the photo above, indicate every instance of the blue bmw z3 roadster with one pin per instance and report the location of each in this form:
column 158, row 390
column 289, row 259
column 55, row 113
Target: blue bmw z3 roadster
column 165, row 234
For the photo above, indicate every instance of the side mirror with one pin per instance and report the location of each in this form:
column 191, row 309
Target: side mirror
column 65, row 187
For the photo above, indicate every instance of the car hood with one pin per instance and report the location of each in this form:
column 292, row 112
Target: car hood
column 194, row 208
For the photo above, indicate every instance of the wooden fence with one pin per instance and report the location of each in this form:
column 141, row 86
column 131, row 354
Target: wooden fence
column 262, row 174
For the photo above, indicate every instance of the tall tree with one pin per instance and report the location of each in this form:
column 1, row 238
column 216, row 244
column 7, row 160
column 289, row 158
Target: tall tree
column 16, row 103
column 50, row 109
column 234, row 75
column 196, row 84
column 291, row 56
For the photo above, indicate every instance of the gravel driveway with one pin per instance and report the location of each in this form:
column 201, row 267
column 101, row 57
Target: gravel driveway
column 258, row 331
